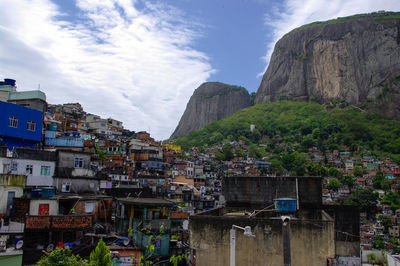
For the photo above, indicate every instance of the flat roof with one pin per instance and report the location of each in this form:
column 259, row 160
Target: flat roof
column 146, row 201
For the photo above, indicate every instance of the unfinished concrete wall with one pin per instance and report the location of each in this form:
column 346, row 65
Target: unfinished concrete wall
column 312, row 242
column 347, row 229
column 261, row 191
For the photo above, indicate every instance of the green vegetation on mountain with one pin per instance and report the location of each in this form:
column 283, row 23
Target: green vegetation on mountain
column 382, row 17
column 286, row 127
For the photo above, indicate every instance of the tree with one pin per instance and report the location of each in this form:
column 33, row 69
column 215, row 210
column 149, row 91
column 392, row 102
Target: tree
column 358, row 171
column 255, row 152
column 348, row 180
column 332, row 171
column 276, row 166
column 379, row 179
column 239, row 152
column 316, row 169
column 100, row 256
column 393, row 200
column 220, row 156
column 61, row 257
column 366, row 199
column 227, row 150
column 333, row 184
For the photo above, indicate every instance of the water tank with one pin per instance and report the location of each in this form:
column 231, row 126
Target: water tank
column 36, row 193
column 10, row 82
column 52, row 127
column 47, row 192
column 285, row 204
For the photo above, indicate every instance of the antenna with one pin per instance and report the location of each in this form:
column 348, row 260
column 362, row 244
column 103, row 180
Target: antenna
column 39, row 86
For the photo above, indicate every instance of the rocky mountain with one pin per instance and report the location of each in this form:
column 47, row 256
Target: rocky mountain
column 356, row 59
column 210, row 102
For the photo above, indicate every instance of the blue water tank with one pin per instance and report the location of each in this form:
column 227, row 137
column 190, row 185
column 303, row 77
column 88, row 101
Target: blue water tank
column 285, row 204
column 36, row 193
column 52, row 127
column 47, row 192
column 10, row 82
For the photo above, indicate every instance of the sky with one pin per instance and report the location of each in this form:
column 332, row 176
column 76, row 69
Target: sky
column 140, row 61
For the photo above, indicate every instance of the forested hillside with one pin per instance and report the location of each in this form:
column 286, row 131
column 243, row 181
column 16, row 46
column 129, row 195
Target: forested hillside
column 297, row 126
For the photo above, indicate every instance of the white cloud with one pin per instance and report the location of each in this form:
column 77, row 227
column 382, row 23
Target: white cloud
column 295, row 13
column 135, row 65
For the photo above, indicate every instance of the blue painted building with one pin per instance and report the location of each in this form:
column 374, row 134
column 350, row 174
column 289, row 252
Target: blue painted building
column 20, row 126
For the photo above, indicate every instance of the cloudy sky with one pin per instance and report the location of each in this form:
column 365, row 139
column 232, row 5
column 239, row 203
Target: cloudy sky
column 140, row 61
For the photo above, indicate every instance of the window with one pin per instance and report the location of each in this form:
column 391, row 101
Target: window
column 13, row 121
column 45, row 170
column 89, row 206
column 14, row 167
column 44, row 209
column 78, row 162
column 31, row 125
column 29, row 169
column 66, row 187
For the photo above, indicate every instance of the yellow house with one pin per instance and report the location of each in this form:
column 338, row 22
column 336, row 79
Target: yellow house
column 173, row 147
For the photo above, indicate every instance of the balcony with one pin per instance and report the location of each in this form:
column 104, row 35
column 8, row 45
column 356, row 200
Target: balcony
column 12, row 180
column 34, row 222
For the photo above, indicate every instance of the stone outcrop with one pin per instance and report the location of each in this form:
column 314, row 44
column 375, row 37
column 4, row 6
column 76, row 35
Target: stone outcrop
column 210, row 102
column 350, row 59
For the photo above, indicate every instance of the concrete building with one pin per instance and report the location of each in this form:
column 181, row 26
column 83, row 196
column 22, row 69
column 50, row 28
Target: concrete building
column 34, row 99
column 74, row 173
column 309, row 234
column 20, row 126
column 37, row 165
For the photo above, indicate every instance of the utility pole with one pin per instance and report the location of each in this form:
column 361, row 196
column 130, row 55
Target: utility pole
column 233, row 246
column 286, row 240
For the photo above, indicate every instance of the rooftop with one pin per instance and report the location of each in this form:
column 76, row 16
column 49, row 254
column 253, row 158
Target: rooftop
column 146, row 201
column 26, row 95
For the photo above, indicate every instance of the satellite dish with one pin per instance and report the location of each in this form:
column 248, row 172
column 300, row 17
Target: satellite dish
column 126, row 241
column 19, row 244
column 50, row 247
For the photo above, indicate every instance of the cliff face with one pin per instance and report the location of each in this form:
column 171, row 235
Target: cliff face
column 351, row 58
column 210, row 102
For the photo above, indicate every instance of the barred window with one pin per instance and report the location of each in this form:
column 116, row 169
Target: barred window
column 13, row 121
column 31, row 125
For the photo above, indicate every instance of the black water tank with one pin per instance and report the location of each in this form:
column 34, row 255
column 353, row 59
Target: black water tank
column 10, row 82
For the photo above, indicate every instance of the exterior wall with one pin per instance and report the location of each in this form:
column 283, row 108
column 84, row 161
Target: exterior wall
column 4, row 195
column 99, row 124
column 210, row 237
column 34, row 179
column 78, row 185
column 34, row 206
column 261, row 191
column 3, row 95
column 67, row 159
column 36, row 104
column 23, row 114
